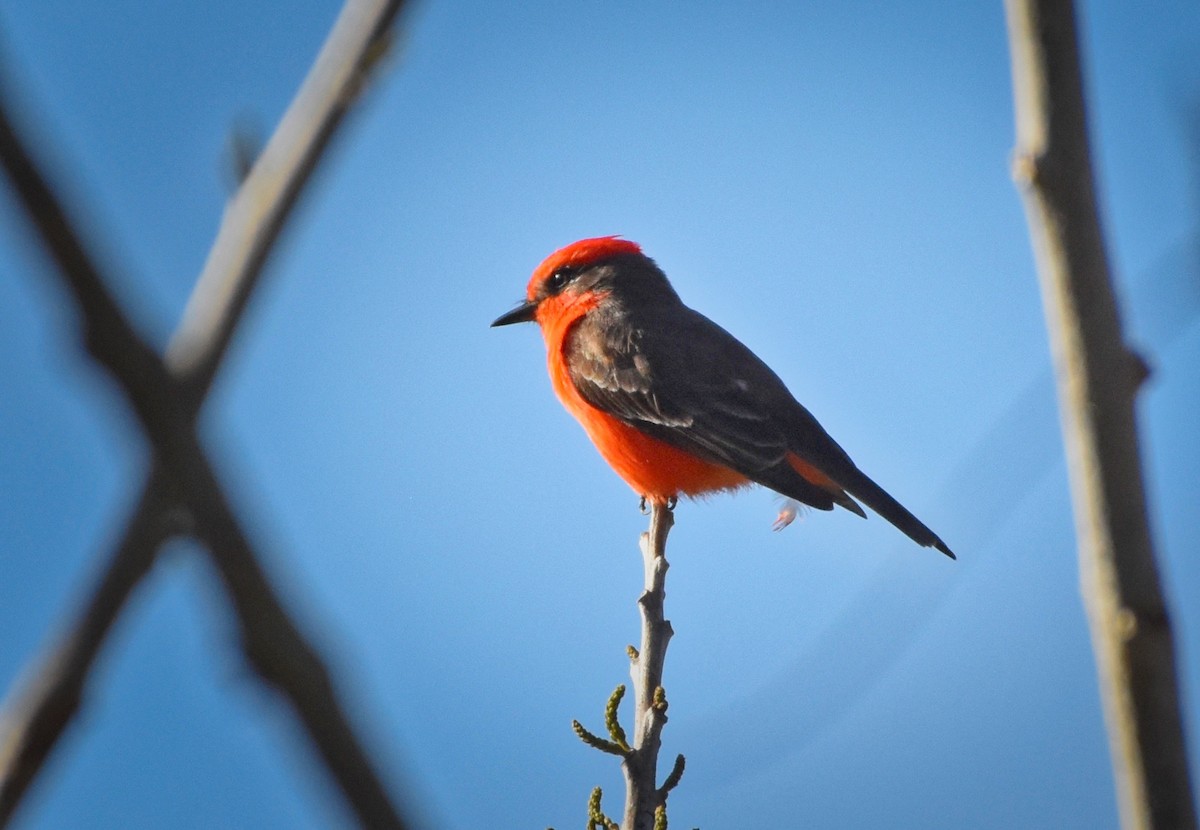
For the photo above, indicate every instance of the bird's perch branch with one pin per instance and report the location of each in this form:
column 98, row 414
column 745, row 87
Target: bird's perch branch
column 642, row 793
column 1098, row 377
column 645, row 801
column 166, row 397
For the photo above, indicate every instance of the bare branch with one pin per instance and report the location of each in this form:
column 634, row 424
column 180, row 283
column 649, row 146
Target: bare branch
column 642, row 794
column 32, row 721
column 256, row 215
column 281, row 656
column 108, row 336
column 1098, row 378
column 34, row 718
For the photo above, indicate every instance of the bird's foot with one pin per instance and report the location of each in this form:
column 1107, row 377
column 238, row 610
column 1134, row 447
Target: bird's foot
column 645, row 511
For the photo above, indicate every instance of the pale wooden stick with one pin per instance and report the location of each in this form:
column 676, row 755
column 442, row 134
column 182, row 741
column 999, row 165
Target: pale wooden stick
column 642, row 794
column 1098, row 378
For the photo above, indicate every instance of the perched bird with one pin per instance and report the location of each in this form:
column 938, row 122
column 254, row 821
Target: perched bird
column 674, row 403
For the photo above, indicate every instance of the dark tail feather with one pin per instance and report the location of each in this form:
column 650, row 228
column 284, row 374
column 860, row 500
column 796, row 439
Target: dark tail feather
column 876, row 498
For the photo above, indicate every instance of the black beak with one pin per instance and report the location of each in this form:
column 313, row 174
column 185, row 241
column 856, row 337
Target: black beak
column 523, row 313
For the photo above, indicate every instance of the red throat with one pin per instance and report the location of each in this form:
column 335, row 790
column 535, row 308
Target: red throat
column 652, row 468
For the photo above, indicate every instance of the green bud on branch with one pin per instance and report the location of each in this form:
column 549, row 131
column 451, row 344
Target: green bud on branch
column 610, row 718
column 596, row 742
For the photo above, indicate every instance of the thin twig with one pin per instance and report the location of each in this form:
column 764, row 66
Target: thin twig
column 1098, row 378
column 254, row 218
column 274, row 646
column 34, row 718
column 280, row 654
column 32, row 721
column 642, row 794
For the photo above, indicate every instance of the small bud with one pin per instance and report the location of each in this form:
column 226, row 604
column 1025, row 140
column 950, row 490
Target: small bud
column 676, row 774
column 596, row 742
column 659, row 701
column 610, row 719
column 596, row 818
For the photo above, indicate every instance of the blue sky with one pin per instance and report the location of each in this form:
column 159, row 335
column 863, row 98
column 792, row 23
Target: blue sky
column 827, row 181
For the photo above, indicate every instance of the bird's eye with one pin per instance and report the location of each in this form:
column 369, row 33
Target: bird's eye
column 560, row 278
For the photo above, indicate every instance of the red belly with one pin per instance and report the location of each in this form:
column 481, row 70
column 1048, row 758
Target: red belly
column 653, row 469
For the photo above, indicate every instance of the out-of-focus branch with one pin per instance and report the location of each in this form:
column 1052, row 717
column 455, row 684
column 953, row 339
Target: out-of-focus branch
column 1098, row 377
column 280, row 654
column 166, row 403
column 360, row 38
column 32, row 721
column 34, row 718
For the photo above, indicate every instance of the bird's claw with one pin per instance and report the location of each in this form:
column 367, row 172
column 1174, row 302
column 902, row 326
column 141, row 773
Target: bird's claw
column 645, row 511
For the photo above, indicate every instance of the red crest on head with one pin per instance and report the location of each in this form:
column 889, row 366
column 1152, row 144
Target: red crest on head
column 579, row 253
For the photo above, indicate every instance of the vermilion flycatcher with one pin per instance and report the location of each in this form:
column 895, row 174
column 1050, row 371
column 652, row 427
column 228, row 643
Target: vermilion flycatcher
column 676, row 404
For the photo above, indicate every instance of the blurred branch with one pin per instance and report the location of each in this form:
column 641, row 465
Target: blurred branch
column 360, row 38
column 33, row 719
column 166, row 397
column 1098, row 378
